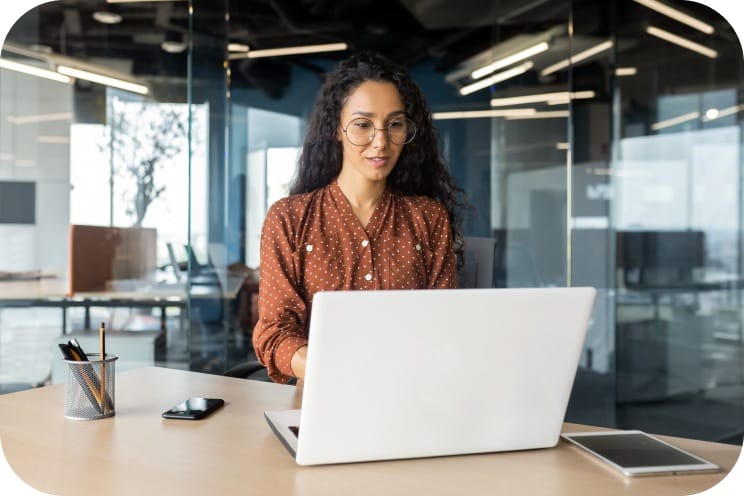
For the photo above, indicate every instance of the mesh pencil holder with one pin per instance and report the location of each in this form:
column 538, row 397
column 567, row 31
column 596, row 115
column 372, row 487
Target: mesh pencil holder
column 89, row 389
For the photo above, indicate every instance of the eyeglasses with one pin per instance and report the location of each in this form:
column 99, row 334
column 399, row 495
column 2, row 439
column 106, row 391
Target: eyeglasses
column 361, row 132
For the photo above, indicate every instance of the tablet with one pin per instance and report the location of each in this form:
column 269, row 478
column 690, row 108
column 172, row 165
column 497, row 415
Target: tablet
column 636, row 453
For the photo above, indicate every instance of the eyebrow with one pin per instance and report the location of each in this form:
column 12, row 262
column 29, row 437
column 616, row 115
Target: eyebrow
column 371, row 114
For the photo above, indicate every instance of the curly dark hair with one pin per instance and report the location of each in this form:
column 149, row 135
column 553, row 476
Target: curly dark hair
column 420, row 169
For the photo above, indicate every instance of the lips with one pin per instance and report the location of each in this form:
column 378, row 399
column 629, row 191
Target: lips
column 378, row 161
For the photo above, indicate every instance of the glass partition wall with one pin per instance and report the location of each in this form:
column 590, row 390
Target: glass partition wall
column 675, row 222
column 598, row 143
column 95, row 143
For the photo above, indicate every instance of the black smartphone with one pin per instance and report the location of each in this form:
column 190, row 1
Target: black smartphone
column 194, row 408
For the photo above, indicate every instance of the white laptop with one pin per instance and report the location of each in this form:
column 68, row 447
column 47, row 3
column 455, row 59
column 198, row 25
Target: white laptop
column 420, row 373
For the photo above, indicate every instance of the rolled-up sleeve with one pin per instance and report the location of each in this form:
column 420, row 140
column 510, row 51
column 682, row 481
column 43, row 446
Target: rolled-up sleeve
column 282, row 310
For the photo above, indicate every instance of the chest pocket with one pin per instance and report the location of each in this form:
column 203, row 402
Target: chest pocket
column 408, row 261
column 320, row 268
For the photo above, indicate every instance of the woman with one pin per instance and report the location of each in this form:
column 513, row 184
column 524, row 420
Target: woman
column 372, row 207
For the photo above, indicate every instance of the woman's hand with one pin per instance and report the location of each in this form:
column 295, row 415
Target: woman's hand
column 298, row 362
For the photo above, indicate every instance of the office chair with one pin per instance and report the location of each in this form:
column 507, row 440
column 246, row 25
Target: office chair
column 479, row 255
column 245, row 370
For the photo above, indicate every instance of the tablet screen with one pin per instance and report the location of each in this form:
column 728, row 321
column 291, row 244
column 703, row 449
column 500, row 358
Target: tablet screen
column 635, row 450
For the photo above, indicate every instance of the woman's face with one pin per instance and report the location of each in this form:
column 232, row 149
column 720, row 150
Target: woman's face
column 372, row 104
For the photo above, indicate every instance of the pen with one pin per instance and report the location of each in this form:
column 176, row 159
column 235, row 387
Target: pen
column 102, row 339
column 86, row 382
column 75, row 345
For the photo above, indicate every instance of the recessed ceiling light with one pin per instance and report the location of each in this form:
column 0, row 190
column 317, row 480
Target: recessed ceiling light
column 173, row 46
column 105, row 17
column 173, row 42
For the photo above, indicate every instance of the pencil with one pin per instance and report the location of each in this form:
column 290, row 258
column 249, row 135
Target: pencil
column 102, row 339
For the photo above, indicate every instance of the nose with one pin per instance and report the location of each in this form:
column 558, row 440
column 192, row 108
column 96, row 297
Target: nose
column 380, row 139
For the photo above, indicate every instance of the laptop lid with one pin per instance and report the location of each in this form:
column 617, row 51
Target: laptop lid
column 406, row 374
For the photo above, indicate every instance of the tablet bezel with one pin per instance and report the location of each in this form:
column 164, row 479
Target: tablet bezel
column 703, row 467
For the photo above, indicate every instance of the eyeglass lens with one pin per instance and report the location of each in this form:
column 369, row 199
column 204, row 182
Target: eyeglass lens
column 362, row 131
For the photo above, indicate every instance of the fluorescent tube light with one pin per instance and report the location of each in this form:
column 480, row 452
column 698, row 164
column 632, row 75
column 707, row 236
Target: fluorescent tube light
column 496, row 78
column 683, row 42
column 567, row 97
column 554, row 114
column 34, row 119
column 626, row 71
column 237, row 47
column 296, row 50
column 590, row 52
column 511, row 59
column 94, row 77
column 561, row 146
column 479, row 114
column 34, row 71
column 677, row 15
column 675, row 120
column 557, row 96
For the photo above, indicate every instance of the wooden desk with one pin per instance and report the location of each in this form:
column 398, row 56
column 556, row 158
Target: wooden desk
column 235, row 452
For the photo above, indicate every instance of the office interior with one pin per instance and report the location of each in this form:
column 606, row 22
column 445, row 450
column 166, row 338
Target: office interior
column 599, row 143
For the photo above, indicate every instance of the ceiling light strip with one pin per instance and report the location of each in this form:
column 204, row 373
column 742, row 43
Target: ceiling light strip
column 558, row 96
column 34, row 71
column 683, row 42
column 677, row 15
column 565, row 99
column 511, row 59
column 555, row 114
column 626, row 71
column 296, row 50
column 238, row 47
column 480, row 114
column 95, row 77
column 590, row 52
column 675, row 120
column 496, row 78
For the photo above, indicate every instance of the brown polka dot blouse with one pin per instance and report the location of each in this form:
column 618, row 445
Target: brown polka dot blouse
column 314, row 242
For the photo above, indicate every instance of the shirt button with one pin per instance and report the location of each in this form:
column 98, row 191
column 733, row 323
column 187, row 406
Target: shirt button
column 418, row 247
column 365, row 243
column 368, row 276
column 309, row 247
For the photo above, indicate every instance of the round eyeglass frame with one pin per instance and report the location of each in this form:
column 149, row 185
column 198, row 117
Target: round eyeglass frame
column 373, row 132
